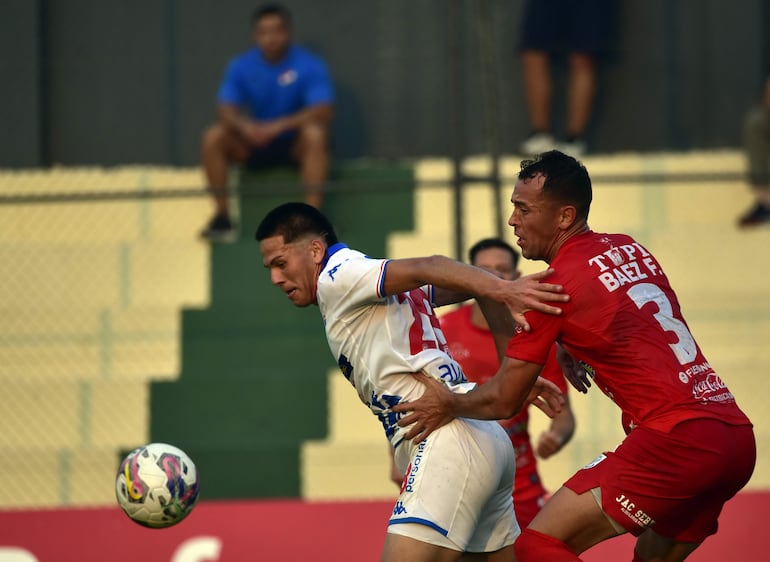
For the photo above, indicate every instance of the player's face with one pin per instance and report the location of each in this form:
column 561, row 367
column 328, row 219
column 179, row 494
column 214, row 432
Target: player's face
column 294, row 267
column 535, row 220
column 272, row 36
column 497, row 261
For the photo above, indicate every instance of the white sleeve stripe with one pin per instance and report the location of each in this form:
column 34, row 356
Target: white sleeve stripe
column 381, row 279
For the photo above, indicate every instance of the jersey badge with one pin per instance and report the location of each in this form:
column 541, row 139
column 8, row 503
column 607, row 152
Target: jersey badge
column 287, row 77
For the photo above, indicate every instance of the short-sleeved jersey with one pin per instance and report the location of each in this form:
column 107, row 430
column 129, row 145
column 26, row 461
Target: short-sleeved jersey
column 623, row 321
column 272, row 90
column 473, row 347
column 378, row 340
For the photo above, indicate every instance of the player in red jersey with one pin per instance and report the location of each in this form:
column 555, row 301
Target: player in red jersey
column 472, row 345
column 689, row 448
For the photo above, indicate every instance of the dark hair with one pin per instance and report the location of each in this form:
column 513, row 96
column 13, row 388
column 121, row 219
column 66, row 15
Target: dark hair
column 488, row 243
column 566, row 179
column 273, row 9
column 294, row 221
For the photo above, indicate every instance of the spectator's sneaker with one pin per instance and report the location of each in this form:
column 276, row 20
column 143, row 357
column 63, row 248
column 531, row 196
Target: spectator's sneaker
column 758, row 214
column 575, row 148
column 537, row 143
column 220, row 229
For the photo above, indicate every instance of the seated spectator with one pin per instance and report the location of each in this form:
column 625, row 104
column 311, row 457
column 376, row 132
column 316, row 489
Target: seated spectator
column 274, row 109
column 756, row 136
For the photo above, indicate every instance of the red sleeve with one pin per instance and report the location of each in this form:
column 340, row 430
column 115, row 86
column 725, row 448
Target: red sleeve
column 534, row 346
column 552, row 371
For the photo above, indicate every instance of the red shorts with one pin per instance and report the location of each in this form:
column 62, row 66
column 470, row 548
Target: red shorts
column 527, row 509
column 676, row 482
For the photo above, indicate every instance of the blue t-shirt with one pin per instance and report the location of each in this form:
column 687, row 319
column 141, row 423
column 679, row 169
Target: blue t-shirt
column 272, row 90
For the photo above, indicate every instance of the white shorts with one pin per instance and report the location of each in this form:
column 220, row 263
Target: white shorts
column 457, row 488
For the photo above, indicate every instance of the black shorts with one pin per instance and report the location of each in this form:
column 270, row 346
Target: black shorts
column 276, row 154
column 566, row 26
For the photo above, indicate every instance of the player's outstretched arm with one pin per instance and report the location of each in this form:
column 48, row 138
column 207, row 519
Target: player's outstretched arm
column 461, row 280
column 499, row 398
column 558, row 434
column 530, row 293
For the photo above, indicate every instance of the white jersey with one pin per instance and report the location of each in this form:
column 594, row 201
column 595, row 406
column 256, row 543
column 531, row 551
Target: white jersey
column 380, row 340
column 458, row 481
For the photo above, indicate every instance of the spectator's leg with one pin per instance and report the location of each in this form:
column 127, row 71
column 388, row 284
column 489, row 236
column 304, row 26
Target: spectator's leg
column 537, row 87
column 219, row 148
column 580, row 93
column 312, row 153
column 756, row 139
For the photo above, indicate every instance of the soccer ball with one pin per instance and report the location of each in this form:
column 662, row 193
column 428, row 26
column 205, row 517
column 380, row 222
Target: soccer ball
column 157, row 485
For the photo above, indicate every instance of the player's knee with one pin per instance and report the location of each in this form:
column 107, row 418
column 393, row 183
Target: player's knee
column 532, row 546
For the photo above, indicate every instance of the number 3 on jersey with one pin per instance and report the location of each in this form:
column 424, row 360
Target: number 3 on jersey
column 685, row 348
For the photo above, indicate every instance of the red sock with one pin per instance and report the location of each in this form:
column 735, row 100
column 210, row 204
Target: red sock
column 533, row 546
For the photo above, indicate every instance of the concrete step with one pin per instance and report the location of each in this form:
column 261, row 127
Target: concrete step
column 100, row 204
column 69, row 414
column 89, row 343
column 355, row 441
column 50, row 275
column 35, row 477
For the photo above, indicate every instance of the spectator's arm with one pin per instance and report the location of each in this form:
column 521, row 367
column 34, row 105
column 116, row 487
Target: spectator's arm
column 321, row 113
column 232, row 117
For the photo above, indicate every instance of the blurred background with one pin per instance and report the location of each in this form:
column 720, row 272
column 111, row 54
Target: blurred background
column 119, row 327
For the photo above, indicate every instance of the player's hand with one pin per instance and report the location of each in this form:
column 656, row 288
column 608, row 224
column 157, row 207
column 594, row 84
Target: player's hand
column 546, row 395
column 548, row 443
column 573, row 370
column 427, row 413
column 528, row 293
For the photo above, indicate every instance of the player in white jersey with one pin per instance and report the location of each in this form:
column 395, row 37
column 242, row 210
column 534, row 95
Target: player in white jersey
column 381, row 328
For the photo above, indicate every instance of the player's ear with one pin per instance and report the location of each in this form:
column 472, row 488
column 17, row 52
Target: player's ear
column 567, row 216
column 318, row 250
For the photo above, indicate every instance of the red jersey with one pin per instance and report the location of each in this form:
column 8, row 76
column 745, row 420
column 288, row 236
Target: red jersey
column 474, row 349
column 624, row 324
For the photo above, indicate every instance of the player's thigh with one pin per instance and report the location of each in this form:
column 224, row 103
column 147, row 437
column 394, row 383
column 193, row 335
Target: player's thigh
column 652, row 546
column 458, row 486
column 575, row 519
column 400, row 548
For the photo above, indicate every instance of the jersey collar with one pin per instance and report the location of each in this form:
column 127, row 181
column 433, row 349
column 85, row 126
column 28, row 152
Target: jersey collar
column 331, row 250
